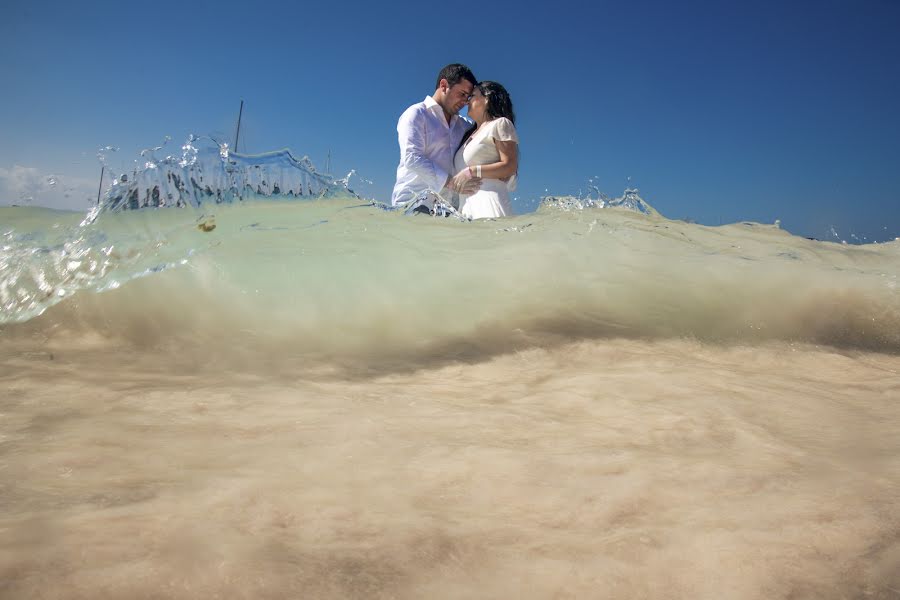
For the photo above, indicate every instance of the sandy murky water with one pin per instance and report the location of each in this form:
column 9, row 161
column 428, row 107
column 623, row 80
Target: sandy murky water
column 326, row 400
column 596, row 469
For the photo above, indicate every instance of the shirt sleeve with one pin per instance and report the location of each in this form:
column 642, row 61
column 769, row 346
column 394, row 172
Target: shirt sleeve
column 411, row 135
column 504, row 131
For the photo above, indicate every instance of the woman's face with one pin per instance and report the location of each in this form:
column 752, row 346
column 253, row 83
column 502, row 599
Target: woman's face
column 477, row 105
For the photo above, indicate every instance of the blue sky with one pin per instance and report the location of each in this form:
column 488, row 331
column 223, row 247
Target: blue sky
column 717, row 111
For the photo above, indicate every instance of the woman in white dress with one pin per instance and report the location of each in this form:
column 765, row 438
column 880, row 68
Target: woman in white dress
column 490, row 152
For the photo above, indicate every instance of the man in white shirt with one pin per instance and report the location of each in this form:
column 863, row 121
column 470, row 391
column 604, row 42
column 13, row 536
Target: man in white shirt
column 429, row 133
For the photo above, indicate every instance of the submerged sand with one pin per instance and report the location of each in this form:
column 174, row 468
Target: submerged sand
column 595, row 469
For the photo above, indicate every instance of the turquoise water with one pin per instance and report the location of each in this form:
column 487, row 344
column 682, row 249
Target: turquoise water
column 295, row 273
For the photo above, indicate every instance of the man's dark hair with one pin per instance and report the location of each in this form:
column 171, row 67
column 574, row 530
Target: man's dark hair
column 454, row 74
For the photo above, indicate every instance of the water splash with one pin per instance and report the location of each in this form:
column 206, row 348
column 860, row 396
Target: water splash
column 103, row 154
column 629, row 200
column 362, row 185
column 833, row 232
column 207, row 172
column 36, row 271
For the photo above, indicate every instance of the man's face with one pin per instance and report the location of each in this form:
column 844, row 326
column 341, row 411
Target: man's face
column 456, row 96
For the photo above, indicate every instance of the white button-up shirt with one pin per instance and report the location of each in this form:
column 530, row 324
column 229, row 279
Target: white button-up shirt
column 427, row 146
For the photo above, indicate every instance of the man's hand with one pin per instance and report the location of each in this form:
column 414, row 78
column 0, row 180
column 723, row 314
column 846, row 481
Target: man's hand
column 465, row 182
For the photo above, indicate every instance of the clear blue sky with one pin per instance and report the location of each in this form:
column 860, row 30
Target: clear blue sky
column 718, row 111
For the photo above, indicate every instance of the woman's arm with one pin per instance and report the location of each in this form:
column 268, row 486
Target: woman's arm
column 506, row 167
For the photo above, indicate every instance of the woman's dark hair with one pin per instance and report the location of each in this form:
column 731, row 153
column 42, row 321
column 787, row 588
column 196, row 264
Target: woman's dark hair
column 498, row 105
column 454, row 74
column 498, row 102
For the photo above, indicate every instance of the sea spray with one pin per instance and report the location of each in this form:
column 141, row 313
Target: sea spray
column 210, row 174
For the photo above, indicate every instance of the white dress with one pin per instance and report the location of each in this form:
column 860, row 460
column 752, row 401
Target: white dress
column 492, row 200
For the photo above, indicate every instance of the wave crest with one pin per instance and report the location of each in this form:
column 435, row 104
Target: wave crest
column 344, row 282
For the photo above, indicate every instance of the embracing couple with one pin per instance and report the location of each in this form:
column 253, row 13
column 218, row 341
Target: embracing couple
column 471, row 163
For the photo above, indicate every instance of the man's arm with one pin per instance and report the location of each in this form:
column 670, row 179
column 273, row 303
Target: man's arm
column 411, row 135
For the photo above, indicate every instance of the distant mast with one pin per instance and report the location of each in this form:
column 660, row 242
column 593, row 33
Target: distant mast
column 237, row 134
column 328, row 163
column 102, row 169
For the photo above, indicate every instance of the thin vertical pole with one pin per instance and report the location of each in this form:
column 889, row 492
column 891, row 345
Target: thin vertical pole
column 99, row 191
column 238, row 132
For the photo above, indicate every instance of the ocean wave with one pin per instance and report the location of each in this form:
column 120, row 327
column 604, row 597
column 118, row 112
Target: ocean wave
column 343, row 280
